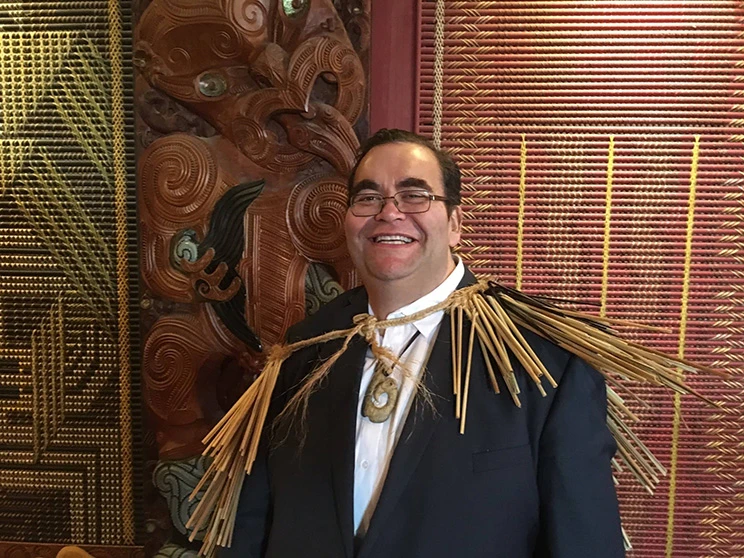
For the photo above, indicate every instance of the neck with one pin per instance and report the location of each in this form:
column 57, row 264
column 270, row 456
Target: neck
column 383, row 304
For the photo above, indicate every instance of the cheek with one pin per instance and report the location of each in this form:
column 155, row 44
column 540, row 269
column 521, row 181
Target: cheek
column 349, row 227
column 352, row 227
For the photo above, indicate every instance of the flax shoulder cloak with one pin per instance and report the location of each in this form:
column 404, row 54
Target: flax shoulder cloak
column 497, row 316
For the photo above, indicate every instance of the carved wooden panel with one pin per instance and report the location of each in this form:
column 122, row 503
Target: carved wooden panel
column 249, row 117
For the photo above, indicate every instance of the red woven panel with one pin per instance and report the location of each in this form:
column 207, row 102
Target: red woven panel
column 569, row 75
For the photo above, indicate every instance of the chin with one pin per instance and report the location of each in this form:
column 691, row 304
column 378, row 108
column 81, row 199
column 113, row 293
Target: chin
column 389, row 269
column 388, row 274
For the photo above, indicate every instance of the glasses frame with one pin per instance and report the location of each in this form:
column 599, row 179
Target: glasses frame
column 384, row 199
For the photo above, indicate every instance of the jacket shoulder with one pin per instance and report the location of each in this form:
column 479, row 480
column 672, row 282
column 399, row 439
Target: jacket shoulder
column 336, row 314
column 559, row 360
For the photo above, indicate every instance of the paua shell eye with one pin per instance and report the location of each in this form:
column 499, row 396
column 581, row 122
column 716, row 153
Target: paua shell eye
column 184, row 247
column 295, row 8
column 212, row 84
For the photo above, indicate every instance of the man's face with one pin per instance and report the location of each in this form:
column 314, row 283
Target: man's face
column 410, row 249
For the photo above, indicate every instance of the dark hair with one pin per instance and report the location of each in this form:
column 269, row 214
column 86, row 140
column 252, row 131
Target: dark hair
column 450, row 170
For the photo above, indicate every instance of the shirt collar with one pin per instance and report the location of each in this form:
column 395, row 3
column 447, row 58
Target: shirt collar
column 427, row 326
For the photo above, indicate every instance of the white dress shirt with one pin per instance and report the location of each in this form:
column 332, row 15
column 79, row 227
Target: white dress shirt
column 375, row 442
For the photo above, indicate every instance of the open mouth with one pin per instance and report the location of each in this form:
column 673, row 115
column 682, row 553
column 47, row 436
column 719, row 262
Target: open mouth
column 391, row 239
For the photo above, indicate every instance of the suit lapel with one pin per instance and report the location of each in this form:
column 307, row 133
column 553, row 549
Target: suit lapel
column 417, row 430
column 343, row 387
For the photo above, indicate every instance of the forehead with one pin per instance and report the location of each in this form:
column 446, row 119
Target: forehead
column 389, row 164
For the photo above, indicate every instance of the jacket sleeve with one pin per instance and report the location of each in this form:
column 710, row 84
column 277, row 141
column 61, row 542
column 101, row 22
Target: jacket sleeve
column 579, row 516
column 253, row 517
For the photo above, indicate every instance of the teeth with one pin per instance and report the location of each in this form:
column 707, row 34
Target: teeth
column 393, row 239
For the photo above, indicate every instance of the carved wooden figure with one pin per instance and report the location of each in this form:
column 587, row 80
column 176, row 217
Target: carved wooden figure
column 282, row 87
column 249, row 113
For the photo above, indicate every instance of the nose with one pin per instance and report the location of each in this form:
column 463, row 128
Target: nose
column 389, row 212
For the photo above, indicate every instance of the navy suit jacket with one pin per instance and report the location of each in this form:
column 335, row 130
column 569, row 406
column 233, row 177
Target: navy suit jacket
column 530, row 482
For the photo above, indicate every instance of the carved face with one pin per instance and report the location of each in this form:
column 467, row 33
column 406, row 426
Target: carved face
column 201, row 52
column 394, row 249
column 194, row 52
column 276, row 77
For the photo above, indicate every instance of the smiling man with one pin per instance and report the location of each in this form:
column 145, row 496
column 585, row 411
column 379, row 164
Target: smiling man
column 401, row 225
column 376, row 466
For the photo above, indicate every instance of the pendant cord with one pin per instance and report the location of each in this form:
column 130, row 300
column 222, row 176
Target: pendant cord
column 403, row 352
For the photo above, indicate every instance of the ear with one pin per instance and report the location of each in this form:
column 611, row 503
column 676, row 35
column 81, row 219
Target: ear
column 455, row 223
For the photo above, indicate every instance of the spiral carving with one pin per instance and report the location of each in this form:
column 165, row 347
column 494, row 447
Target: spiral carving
column 179, row 181
column 315, row 213
column 250, row 15
column 174, row 351
column 179, row 57
column 252, row 138
column 226, row 43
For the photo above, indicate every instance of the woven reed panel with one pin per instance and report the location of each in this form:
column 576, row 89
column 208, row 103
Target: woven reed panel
column 68, row 385
column 618, row 206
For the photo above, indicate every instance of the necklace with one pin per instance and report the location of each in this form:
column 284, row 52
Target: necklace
column 382, row 392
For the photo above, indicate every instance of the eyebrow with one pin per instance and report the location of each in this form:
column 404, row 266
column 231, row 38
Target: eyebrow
column 365, row 184
column 404, row 184
column 411, row 182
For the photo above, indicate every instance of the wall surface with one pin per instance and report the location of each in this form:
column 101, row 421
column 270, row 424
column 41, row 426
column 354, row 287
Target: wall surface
column 70, row 434
column 601, row 148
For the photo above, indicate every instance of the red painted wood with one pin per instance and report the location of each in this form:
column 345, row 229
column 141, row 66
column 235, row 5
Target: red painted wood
column 393, row 64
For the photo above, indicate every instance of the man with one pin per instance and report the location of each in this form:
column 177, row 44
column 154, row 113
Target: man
column 375, row 468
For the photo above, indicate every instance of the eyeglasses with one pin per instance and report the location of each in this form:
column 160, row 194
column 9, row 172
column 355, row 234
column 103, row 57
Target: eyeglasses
column 408, row 201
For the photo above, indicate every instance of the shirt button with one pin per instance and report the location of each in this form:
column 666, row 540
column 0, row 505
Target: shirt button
column 365, row 464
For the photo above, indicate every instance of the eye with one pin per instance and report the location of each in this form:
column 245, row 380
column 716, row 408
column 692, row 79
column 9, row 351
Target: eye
column 414, row 197
column 366, row 198
column 212, row 85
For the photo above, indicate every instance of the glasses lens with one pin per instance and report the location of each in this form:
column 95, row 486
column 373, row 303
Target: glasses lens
column 413, row 201
column 366, row 205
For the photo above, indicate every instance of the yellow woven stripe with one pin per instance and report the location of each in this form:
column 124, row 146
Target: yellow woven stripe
column 122, row 268
column 608, row 218
column 522, row 198
column 438, row 73
column 681, row 347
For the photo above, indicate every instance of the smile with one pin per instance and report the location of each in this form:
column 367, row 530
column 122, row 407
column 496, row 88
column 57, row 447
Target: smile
column 391, row 239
